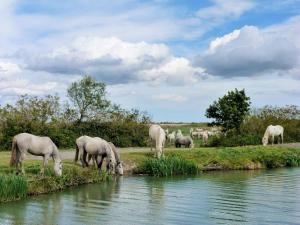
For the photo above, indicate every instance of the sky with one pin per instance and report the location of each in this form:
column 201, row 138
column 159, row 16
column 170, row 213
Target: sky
column 169, row 58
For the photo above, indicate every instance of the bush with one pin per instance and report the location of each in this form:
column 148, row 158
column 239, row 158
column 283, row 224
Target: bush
column 167, row 166
column 123, row 134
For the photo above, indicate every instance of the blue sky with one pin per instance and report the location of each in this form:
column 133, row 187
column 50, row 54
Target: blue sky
column 171, row 58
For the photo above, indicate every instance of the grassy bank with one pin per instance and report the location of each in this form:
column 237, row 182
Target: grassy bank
column 13, row 187
column 236, row 158
column 141, row 161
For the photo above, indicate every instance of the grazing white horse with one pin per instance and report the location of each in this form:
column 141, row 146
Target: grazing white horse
column 158, row 136
column 191, row 131
column 171, row 137
column 40, row 146
column 119, row 166
column 178, row 134
column 205, row 136
column 186, row 141
column 272, row 131
column 94, row 147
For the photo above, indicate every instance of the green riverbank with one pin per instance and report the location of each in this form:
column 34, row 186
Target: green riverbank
column 140, row 161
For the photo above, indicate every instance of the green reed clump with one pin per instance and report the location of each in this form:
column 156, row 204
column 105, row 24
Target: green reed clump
column 167, row 166
column 12, row 187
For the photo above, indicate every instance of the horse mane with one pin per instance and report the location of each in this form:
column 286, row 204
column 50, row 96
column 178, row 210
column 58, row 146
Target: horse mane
column 267, row 132
column 55, row 153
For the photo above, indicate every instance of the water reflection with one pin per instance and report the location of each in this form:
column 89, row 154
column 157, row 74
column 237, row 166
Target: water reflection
column 240, row 197
column 229, row 200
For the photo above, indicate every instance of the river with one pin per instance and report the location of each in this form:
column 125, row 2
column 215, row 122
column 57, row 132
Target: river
column 236, row 197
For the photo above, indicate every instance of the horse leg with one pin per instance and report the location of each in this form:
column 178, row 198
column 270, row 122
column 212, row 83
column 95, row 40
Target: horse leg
column 81, row 158
column 84, row 159
column 94, row 158
column 22, row 158
column 100, row 163
column 281, row 138
column 272, row 139
column 107, row 166
column 45, row 163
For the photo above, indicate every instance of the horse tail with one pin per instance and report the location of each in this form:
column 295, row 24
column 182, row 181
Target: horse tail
column 76, row 153
column 13, row 159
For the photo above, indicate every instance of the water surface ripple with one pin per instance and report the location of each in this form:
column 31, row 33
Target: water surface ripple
column 239, row 197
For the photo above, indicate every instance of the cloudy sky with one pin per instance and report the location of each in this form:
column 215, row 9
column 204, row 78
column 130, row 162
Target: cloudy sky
column 170, row 58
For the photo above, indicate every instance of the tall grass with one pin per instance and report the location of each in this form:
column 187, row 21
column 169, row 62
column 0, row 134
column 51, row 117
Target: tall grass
column 12, row 187
column 167, row 166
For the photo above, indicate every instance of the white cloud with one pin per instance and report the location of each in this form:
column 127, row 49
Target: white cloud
column 115, row 61
column 251, row 51
column 225, row 9
column 170, row 97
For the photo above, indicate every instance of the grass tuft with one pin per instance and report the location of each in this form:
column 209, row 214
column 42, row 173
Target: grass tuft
column 167, row 166
column 12, row 187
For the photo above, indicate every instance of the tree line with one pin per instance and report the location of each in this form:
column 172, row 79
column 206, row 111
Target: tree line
column 87, row 111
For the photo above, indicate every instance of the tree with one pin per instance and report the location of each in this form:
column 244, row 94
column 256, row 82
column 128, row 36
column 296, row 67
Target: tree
column 230, row 110
column 88, row 97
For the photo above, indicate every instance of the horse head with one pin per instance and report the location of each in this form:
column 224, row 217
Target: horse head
column 119, row 168
column 57, row 167
column 264, row 141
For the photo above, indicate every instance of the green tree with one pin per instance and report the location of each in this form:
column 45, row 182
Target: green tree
column 88, row 97
column 230, row 110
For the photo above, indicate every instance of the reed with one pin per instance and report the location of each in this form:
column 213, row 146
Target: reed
column 167, row 166
column 12, row 187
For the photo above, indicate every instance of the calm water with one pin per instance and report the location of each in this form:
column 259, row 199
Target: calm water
column 243, row 197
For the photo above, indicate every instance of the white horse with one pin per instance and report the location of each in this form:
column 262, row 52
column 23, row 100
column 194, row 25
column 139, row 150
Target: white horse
column 205, row 136
column 197, row 134
column 171, row 137
column 191, row 131
column 199, row 129
column 178, row 134
column 40, row 146
column 158, row 136
column 119, row 166
column 272, row 131
column 167, row 131
column 95, row 146
column 186, row 141
column 116, row 154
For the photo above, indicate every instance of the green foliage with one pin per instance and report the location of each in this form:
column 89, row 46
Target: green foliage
column 230, row 110
column 45, row 116
column 12, row 187
column 254, row 126
column 88, row 98
column 167, row 166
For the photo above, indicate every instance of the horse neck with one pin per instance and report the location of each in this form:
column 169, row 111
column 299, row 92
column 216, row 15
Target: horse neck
column 267, row 133
column 55, row 153
column 110, row 154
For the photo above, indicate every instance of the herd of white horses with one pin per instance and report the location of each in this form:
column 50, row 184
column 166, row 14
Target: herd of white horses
column 158, row 137
column 98, row 149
